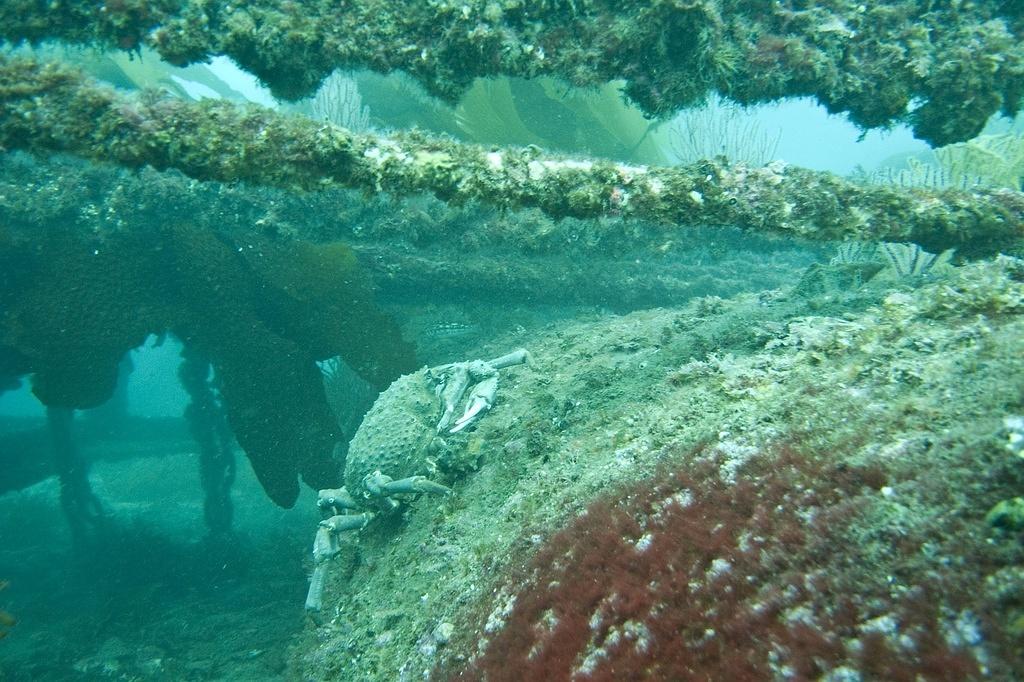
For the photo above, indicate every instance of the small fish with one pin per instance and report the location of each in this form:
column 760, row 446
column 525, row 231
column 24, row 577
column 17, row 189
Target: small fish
column 449, row 330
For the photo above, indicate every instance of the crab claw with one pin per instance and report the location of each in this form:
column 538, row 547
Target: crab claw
column 456, row 381
column 480, row 400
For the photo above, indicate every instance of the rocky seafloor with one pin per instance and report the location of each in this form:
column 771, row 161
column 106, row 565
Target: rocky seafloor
column 795, row 484
column 816, row 482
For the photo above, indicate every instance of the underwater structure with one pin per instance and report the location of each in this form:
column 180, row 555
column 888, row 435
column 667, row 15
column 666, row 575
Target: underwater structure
column 48, row 107
column 76, row 303
column 962, row 62
column 820, row 480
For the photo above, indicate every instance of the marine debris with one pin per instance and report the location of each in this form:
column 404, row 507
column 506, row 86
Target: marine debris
column 959, row 63
column 48, row 107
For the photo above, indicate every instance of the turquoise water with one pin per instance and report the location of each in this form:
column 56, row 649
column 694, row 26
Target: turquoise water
column 731, row 455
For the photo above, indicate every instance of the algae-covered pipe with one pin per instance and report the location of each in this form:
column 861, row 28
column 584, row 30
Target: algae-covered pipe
column 958, row 63
column 48, row 107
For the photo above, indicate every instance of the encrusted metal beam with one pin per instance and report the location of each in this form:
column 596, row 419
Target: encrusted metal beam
column 47, row 107
column 958, row 62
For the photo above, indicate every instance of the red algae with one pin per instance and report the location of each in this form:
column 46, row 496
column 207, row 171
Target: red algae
column 687, row 576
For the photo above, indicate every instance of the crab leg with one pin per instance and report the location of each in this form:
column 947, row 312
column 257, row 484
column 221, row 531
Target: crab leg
column 342, row 522
column 333, row 500
column 326, row 547
column 382, row 485
column 516, row 357
column 315, row 595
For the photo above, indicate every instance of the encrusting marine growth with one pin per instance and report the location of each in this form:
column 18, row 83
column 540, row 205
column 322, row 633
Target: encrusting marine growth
column 685, row 576
column 47, row 107
column 956, row 63
column 263, row 311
